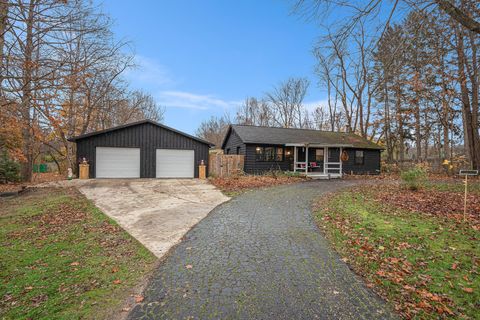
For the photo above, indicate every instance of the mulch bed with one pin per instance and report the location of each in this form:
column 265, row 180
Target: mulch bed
column 36, row 179
column 241, row 183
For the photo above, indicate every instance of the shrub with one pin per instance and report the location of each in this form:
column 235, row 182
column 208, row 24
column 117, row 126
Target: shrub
column 292, row 174
column 414, row 178
column 9, row 169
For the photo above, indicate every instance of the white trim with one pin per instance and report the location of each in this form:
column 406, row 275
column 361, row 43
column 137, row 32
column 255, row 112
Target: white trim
column 317, row 145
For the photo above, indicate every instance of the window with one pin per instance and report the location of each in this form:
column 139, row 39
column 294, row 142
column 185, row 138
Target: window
column 279, row 154
column 238, row 150
column 319, row 155
column 359, row 157
column 259, row 153
column 268, row 153
column 289, row 153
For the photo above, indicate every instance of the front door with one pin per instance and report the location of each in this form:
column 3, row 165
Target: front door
column 316, row 158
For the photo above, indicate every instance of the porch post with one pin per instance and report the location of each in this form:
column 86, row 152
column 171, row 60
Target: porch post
column 295, row 159
column 340, row 159
column 306, row 159
column 325, row 160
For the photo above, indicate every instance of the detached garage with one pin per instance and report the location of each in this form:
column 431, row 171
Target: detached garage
column 143, row 149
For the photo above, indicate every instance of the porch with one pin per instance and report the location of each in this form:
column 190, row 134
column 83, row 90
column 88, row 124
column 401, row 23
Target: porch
column 317, row 161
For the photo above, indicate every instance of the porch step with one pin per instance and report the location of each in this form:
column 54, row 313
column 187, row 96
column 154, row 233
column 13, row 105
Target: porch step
column 324, row 176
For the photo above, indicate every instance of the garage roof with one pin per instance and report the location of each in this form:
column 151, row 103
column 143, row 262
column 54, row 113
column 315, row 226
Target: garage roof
column 87, row 135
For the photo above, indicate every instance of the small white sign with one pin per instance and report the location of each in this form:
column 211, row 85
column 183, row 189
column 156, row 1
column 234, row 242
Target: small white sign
column 468, row 172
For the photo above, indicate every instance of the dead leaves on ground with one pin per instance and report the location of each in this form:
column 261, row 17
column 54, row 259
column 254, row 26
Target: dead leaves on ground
column 431, row 202
column 413, row 296
column 240, row 183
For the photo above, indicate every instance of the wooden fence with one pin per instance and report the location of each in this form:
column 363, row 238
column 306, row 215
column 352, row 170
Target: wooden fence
column 223, row 165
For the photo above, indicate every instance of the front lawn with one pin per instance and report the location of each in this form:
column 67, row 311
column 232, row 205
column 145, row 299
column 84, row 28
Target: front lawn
column 62, row 258
column 414, row 249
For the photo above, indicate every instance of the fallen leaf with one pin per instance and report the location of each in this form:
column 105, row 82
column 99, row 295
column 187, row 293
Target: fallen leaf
column 117, row 281
column 468, row 290
column 29, row 288
column 114, row 270
column 139, row 299
column 126, row 309
column 75, row 263
column 450, row 312
column 454, row 266
column 424, row 305
column 189, row 266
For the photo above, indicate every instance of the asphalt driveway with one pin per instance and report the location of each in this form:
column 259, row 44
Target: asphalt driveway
column 259, row 256
column 157, row 212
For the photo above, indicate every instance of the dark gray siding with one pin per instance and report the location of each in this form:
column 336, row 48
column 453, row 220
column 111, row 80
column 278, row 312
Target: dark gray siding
column 258, row 167
column 233, row 141
column 248, row 150
column 146, row 136
column 371, row 163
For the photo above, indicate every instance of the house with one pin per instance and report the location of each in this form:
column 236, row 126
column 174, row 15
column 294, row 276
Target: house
column 313, row 152
column 143, row 149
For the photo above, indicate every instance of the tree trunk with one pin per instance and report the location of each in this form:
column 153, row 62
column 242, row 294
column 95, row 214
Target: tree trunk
column 400, row 133
column 26, row 101
column 418, row 134
column 3, row 29
column 471, row 135
column 386, row 120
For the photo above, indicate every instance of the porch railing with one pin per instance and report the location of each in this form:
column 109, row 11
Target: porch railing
column 301, row 166
column 333, row 168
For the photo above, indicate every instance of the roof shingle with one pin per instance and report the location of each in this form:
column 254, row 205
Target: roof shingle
column 270, row 135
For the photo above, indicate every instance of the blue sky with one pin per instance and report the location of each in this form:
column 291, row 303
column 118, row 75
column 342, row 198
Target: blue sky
column 203, row 58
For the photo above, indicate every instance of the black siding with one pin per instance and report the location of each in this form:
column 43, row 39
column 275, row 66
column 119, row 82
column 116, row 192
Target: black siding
column 233, row 141
column 371, row 163
column 146, row 136
column 258, row 167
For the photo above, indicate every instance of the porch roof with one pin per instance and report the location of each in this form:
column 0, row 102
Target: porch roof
column 300, row 137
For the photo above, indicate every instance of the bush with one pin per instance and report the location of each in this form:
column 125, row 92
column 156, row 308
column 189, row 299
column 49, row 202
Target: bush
column 9, row 169
column 414, row 178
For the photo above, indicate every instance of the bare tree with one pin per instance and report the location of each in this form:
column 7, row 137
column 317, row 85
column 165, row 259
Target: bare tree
column 287, row 103
column 214, row 130
column 255, row 112
column 64, row 75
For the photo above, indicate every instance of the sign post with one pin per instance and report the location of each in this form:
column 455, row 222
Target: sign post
column 466, row 173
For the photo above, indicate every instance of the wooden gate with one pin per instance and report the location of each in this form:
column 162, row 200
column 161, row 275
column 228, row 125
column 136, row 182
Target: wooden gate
column 225, row 165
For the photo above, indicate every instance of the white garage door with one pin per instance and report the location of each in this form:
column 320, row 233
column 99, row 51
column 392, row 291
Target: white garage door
column 175, row 163
column 117, row 162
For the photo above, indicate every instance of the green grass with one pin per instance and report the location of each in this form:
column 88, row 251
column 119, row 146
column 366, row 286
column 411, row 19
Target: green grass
column 431, row 255
column 473, row 186
column 62, row 258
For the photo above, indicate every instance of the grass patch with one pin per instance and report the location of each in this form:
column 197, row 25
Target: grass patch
column 426, row 266
column 62, row 258
column 457, row 186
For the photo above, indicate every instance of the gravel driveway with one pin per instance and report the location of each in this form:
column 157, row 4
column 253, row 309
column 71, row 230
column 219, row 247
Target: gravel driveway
column 259, row 256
